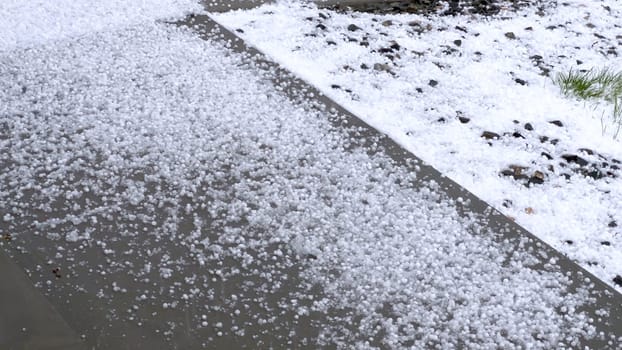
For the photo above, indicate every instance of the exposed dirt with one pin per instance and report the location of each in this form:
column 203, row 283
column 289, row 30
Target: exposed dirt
column 447, row 7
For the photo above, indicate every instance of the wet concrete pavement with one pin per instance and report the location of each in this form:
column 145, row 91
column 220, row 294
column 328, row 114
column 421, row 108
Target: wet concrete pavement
column 112, row 320
column 27, row 319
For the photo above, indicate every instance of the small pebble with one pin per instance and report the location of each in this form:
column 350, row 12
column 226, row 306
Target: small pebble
column 353, row 27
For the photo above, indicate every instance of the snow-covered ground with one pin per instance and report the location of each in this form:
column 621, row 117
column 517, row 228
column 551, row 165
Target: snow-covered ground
column 179, row 166
column 473, row 97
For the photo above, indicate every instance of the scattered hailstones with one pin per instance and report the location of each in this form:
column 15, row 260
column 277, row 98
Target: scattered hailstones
column 410, row 270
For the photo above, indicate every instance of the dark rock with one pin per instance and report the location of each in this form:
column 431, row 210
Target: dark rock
column 353, row 27
column 536, row 57
column 507, row 203
column 618, row 280
column 387, row 23
column 335, row 86
column 528, row 127
column 464, row 120
column 239, row 30
column 385, row 50
column 510, row 35
column 364, row 66
column 392, row 57
column 587, row 150
column 546, row 155
column 330, row 42
column 419, row 90
column 557, row 122
column 364, row 43
column 544, row 71
column 489, row 135
column 573, row 158
column 321, row 26
column 449, row 50
column 516, row 121
column 462, row 29
column 310, row 256
column 458, row 42
column 516, row 173
column 395, row 45
column 607, row 243
column 441, row 120
column 517, row 135
column 613, row 224
column 432, row 83
column 529, row 28
column 420, row 28
column 518, row 169
column 568, row 241
column 554, row 142
column 323, row 16
column 537, row 178
column 544, row 139
column 593, row 173
column 520, row 81
column 579, row 62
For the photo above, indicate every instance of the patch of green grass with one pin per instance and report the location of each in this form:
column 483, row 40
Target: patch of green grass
column 595, row 86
